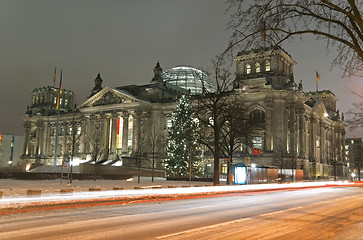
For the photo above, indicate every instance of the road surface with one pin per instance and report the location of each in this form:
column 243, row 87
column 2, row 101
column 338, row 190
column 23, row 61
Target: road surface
column 317, row 213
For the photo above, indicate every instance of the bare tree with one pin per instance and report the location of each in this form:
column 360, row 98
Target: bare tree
column 272, row 22
column 95, row 141
column 355, row 115
column 238, row 129
column 157, row 145
column 74, row 138
column 209, row 109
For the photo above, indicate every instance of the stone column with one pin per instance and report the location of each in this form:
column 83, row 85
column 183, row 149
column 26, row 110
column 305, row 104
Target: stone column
column 82, row 138
column 136, row 131
column 312, row 142
column 339, row 145
column 46, row 139
column 113, row 133
column 302, row 132
column 322, row 142
column 26, row 138
column 39, row 138
column 278, row 128
column 268, row 130
column 105, row 135
column 292, row 126
column 125, row 131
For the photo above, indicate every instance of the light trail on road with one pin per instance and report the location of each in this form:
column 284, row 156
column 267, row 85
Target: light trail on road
column 76, row 196
column 189, row 218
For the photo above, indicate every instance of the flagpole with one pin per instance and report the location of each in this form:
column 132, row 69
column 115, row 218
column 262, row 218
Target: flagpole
column 57, row 126
column 56, row 141
column 55, row 72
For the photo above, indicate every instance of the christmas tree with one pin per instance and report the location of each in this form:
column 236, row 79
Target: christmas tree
column 182, row 147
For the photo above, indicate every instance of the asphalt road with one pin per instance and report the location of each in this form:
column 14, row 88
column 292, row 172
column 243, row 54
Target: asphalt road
column 319, row 213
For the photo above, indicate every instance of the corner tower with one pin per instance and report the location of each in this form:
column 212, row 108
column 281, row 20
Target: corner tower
column 269, row 67
column 98, row 85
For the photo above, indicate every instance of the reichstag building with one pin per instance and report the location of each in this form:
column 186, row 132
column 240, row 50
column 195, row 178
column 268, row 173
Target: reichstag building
column 302, row 130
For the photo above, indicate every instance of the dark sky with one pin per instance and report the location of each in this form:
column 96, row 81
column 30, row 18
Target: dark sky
column 123, row 40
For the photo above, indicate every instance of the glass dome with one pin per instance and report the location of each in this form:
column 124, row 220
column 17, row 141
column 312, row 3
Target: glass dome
column 188, row 78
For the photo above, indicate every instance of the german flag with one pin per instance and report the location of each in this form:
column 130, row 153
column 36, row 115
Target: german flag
column 317, row 77
column 59, row 90
column 55, row 72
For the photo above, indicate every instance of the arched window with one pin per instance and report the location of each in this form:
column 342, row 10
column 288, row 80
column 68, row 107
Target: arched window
column 258, row 67
column 248, row 69
column 258, row 116
column 268, row 66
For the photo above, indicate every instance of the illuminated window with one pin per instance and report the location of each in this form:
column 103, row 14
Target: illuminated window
column 268, row 66
column 55, row 100
column 248, row 69
column 257, row 145
column 258, row 67
column 79, row 130
column 168, row 123
column 130, row 134
column 120, row 124
column 66, row 102
column 224, row 168
column 70, row 131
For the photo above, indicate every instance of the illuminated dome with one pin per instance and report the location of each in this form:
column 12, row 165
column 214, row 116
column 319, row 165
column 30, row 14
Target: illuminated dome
column 188, row 78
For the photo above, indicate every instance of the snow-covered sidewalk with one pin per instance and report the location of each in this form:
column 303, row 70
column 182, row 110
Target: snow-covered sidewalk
column 18, row 188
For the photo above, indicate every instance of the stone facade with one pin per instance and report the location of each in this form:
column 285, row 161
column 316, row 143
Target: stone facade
column 302, row 130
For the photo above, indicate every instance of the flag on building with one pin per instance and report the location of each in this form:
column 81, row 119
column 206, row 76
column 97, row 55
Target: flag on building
column 317, row 76
column 55, row 72
column 59, row 91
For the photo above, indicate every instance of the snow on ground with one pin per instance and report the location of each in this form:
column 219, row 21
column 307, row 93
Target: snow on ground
column 18, row 188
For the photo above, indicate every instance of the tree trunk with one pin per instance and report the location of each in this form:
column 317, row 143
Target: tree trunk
column 217, row 151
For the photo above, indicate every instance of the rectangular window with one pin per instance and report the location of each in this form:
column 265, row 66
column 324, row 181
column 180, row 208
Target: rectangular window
column 119, row 133
column 130, row 134
column 168, row 124
column 257, row 145
column 224, row 168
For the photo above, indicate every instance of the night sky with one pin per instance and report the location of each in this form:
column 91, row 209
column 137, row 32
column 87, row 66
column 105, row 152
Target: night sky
column 123, row 40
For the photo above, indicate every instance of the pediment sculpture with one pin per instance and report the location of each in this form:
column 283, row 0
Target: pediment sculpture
column 107, row 99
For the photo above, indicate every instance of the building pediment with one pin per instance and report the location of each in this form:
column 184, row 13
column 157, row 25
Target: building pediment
column 319, row 108
column 109, row 96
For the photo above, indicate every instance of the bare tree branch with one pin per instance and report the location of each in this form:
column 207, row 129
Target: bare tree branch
column 338, row 22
